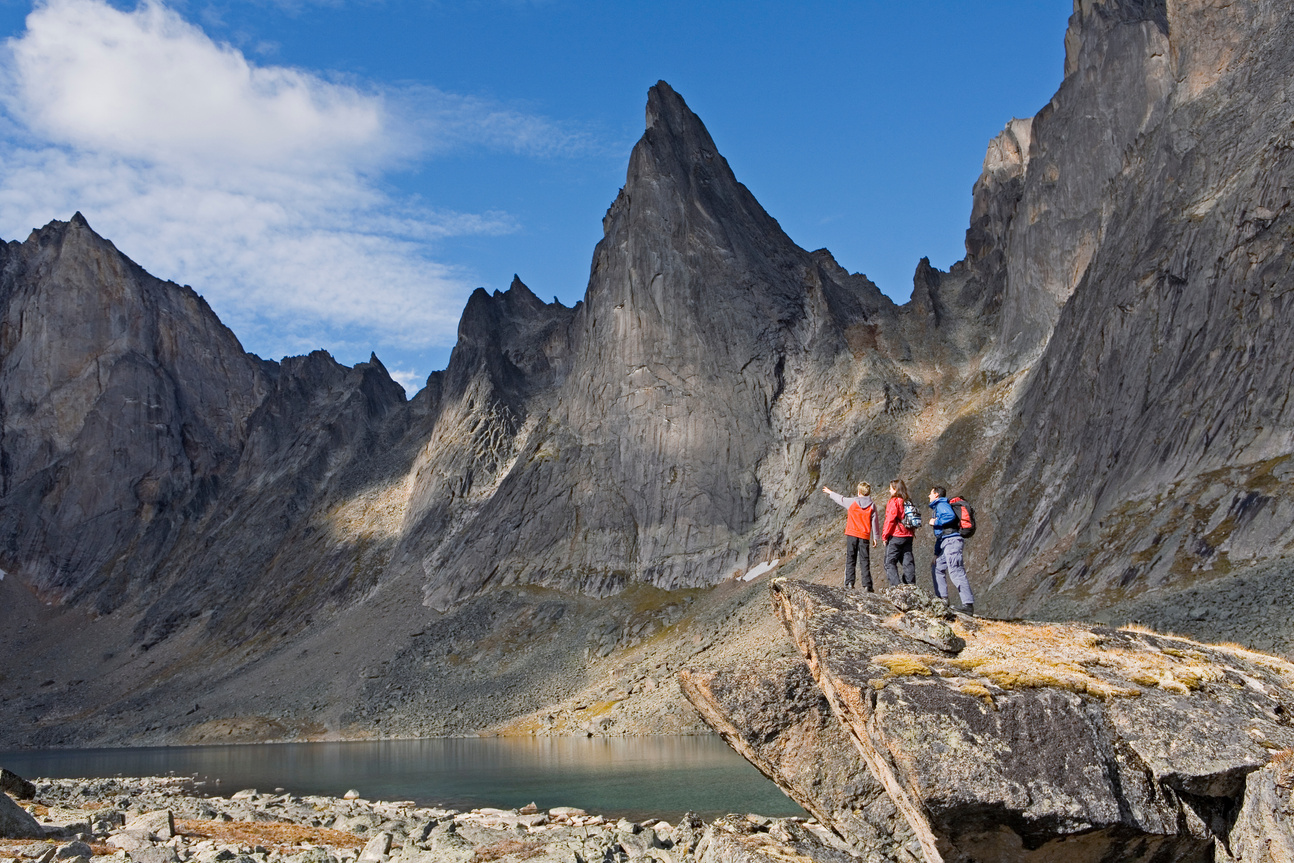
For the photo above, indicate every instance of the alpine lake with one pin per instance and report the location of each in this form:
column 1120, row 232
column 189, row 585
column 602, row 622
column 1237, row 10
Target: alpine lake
column 635, row 778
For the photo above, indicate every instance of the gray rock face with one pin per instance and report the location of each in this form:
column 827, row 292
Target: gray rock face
column 124, row 399
column 1026, row 742
column 16, row 822
column 648, row 452
column 1154, row 432
column 1105, row 374
column 1117, row 84
column 777, row 718
column 1264, row 829
column 15, row 785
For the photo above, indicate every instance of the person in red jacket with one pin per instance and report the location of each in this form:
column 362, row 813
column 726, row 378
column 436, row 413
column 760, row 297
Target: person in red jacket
column 860, row 529
column 897, row 537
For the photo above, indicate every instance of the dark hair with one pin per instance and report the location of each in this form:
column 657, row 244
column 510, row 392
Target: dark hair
column 943, row 492
column 899, row 489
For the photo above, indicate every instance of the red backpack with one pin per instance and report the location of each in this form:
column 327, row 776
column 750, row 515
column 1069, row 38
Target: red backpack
column 965, row 516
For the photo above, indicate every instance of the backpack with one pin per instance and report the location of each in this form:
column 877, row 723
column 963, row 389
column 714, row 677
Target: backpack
column 965, row 516
column 911, row 517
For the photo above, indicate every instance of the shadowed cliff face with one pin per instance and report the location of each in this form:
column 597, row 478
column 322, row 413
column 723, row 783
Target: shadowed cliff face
column 124, row 403
column 1155, row 432
column 1106, row 374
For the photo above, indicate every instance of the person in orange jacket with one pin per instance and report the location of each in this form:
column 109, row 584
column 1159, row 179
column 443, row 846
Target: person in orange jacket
column 861, row 526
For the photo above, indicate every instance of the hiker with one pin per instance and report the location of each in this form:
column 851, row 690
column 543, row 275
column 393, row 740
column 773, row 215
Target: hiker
column 860, row 529
column 896, row 533
column 947, row 562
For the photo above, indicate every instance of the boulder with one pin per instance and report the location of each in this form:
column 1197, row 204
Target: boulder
column 13, row 784
column 1015, row 741
column 1264, row 829
column 130, row 841
column 377, row 849
column 160, row 823
column 443, row 845
column 775, row 715
column 738, row 839
column 16, row 822
column 74, row 851
column 566, row 812
column 156, row 854
column 639, row 843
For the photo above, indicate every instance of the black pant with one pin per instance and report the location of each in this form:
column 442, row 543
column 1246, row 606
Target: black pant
column 853, row 545
column 900, row 547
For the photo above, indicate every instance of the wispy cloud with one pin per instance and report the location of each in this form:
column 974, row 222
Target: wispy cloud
column 259, row 185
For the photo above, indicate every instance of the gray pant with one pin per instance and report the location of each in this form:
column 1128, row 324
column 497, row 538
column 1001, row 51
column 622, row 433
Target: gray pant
column 948, row 564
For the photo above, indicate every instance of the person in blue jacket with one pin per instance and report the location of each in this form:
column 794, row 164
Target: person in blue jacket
column 947, row 562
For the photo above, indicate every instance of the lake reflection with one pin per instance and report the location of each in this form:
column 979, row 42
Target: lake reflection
column 631, row 777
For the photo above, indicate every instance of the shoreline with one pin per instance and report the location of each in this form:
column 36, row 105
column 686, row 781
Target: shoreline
column 164, row 820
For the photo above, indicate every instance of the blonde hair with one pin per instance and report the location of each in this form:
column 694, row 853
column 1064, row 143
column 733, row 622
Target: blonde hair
column 864, row 488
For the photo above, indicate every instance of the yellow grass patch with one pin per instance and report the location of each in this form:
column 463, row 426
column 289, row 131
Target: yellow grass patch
column 1013, row 656
column 1271, row 663
column 1137, row 628
column 978, row 690
column 270, row 834
column 904, row 664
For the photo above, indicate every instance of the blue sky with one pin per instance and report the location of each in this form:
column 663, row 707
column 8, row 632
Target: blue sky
column 342, row 173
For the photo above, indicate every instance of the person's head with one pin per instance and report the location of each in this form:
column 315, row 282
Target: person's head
column 936, row 492
column 864, row 489
column 899, row 489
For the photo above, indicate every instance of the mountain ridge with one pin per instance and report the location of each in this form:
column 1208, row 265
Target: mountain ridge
column 583, row 483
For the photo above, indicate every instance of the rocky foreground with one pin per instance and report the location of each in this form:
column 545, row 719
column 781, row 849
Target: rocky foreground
column 917, row 734
column 162, row 820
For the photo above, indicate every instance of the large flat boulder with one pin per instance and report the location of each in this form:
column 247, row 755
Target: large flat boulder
column 774, row 714
column 1013, row 741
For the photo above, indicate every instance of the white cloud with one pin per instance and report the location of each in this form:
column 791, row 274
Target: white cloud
column 411, row 380
column 147, row 84
column 258, row 185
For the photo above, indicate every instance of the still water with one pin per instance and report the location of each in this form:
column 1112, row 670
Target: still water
column 632, row 777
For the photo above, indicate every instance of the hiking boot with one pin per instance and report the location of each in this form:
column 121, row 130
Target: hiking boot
column 970, row 608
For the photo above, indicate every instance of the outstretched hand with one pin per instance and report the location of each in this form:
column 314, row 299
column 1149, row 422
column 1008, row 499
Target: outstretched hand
column 826, row 490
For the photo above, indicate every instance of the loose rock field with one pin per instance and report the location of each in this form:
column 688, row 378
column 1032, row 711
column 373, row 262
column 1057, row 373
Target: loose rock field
column 164, row 820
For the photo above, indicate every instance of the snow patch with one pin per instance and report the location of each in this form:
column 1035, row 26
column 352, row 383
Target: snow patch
column 759, row 569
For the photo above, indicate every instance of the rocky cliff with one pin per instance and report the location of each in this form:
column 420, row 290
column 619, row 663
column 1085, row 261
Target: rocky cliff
column 1105, row 374
column 954, row 739
column 1151, row 438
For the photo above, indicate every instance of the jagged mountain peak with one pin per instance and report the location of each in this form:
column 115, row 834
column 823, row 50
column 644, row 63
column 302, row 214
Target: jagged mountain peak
column 668, row 113
column 677, row 155
column 684, row 238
